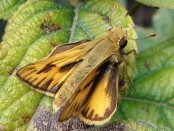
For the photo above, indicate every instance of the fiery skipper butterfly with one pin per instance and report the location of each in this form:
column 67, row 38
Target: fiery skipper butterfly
column 83, row 77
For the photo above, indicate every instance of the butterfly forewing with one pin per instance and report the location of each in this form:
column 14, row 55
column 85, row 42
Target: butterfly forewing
column 48, row 75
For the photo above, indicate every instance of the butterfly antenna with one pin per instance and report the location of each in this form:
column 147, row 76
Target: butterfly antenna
column 150, row 35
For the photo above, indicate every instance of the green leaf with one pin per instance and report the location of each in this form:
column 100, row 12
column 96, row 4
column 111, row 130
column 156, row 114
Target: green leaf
column 158, row 3
column 152, row 101
column 31, row 34
column 7, row 7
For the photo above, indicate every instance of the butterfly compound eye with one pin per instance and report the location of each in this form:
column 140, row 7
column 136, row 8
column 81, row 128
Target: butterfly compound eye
column 123, row 42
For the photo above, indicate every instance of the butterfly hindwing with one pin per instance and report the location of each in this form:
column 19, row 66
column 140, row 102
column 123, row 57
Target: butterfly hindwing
column 47, row 75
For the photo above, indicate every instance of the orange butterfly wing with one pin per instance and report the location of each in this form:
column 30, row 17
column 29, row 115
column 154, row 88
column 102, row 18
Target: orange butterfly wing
column 47, row 75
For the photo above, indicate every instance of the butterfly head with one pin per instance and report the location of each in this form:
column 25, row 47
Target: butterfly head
column 119, row 35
